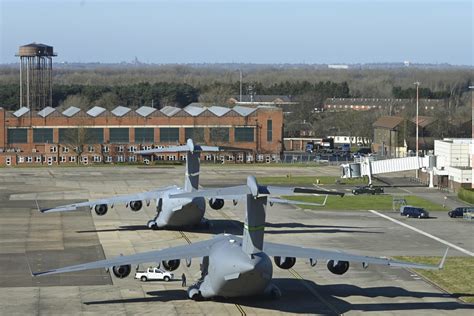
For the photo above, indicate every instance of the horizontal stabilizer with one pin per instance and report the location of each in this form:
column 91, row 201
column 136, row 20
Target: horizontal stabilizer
column 293, row 202
column 189, row 147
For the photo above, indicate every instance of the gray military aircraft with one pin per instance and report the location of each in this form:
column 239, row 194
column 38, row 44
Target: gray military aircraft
column 235, row 266
column 170, row 212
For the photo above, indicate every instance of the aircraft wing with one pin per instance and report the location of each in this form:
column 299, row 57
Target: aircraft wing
column 195, row 250
column 144, row 196
column 281, row 250
column 242, row 190
column 285, row 201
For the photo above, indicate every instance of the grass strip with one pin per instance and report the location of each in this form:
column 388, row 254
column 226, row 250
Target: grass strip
column 363, row 202
column 456, row 278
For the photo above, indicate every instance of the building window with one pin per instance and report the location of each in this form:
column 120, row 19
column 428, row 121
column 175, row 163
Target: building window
column 108, row 159
column 269, row 130
column 119, row 135
column 132, row 158
column 194, row 133
column 42, row 135
column 63, row 158
column 120, row 158
column 106, row 149
column 65, row 149
column 219, row 134
column 53, row 149
column 97, row 158
column 244, row 134
column 29, row 159
column 171, row 158
column 72, row 158
column 132, row 149
column 93, row 135
column 90, row 149
column 144, row 135
column 120, row 149
column 79, row 136
column 38, row 159
column 17, row 136
column 169, row 134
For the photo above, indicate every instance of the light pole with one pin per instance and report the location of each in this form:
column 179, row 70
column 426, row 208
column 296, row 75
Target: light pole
column 240, row 72
column 417, row 104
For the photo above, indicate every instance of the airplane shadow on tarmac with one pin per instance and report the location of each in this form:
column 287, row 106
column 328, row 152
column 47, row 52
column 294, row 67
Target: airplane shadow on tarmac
column 299, row 300
column 218, row 226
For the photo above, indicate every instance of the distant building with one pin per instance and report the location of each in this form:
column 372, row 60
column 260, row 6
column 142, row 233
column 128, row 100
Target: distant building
column 392, row 106
column 101, row 136
column 390, row 133
column 282, row 101
column 338, row 66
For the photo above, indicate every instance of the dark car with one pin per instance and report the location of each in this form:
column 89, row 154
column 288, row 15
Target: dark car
column 367, row 189
column 412, row 211
column 460, row 211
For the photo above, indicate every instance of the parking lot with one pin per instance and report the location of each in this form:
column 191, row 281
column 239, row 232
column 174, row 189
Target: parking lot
column 42, row 241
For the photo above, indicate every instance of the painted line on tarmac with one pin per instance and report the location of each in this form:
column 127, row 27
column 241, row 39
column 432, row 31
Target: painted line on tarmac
column 447, row 243
column 314, row 292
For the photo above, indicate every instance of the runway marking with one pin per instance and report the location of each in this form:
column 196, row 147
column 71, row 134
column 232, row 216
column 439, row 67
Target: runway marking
column 447, row 243
column 314, row 292
column 239, row 308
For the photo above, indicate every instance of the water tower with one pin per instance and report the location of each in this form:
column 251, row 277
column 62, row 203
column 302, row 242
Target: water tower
column 36, row 75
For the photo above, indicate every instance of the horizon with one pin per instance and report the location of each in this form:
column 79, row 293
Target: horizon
column 242, row 32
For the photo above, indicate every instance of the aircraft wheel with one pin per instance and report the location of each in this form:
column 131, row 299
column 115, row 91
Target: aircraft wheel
column 152, row 224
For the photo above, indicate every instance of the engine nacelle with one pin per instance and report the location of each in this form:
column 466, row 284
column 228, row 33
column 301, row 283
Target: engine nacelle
column 340, row 268
column 101, row 209
column 170, row 265
column 136, row 205
column 122, row 271
column 285, row 262
column 216, row 204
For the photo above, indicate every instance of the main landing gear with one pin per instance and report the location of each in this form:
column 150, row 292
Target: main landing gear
column 152, row 223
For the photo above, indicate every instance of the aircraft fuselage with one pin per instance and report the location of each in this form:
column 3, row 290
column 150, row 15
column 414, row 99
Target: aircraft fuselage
column 180, row 212
column 233, row 273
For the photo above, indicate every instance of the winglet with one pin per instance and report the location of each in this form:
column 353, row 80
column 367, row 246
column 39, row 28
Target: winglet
column 28, row 263
column 441, row 264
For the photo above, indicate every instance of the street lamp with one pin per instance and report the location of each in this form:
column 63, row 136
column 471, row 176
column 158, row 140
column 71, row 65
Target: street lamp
column 417, row 104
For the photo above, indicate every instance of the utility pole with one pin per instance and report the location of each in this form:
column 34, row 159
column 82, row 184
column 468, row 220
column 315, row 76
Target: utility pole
column 417, row 105
column 240, row 71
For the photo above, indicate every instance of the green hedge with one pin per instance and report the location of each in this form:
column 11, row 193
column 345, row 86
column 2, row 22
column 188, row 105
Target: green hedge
column 466, row 195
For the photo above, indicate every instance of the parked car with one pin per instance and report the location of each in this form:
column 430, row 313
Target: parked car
column 154, row 274
column 367, row 189
column 412, row 211
column 460, row 211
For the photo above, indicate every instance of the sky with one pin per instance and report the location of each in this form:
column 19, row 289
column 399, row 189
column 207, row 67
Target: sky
column 242, row 31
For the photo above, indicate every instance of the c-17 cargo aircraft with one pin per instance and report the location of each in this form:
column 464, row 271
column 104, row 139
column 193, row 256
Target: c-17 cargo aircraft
column 169, row 212
column 235, row 266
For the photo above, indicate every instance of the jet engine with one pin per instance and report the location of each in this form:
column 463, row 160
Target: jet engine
column 340, row 268
column 285, row 262
column 216, row 204
column 170, row 265
column 122, row 271
column 101, row 209
column 136, row 205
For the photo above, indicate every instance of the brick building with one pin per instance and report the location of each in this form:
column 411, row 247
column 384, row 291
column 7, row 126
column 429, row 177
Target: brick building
column 98, row 135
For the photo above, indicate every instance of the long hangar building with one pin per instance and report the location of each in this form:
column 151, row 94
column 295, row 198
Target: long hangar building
column 50, row 136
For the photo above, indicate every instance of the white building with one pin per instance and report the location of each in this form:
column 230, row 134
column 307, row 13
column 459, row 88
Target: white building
column 454, row 163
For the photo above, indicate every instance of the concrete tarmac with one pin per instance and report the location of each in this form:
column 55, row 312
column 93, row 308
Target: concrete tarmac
column 44, row 241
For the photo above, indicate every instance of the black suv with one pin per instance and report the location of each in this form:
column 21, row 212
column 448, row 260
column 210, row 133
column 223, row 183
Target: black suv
column 412, row 211
column 367, row 189
column 459, row 211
